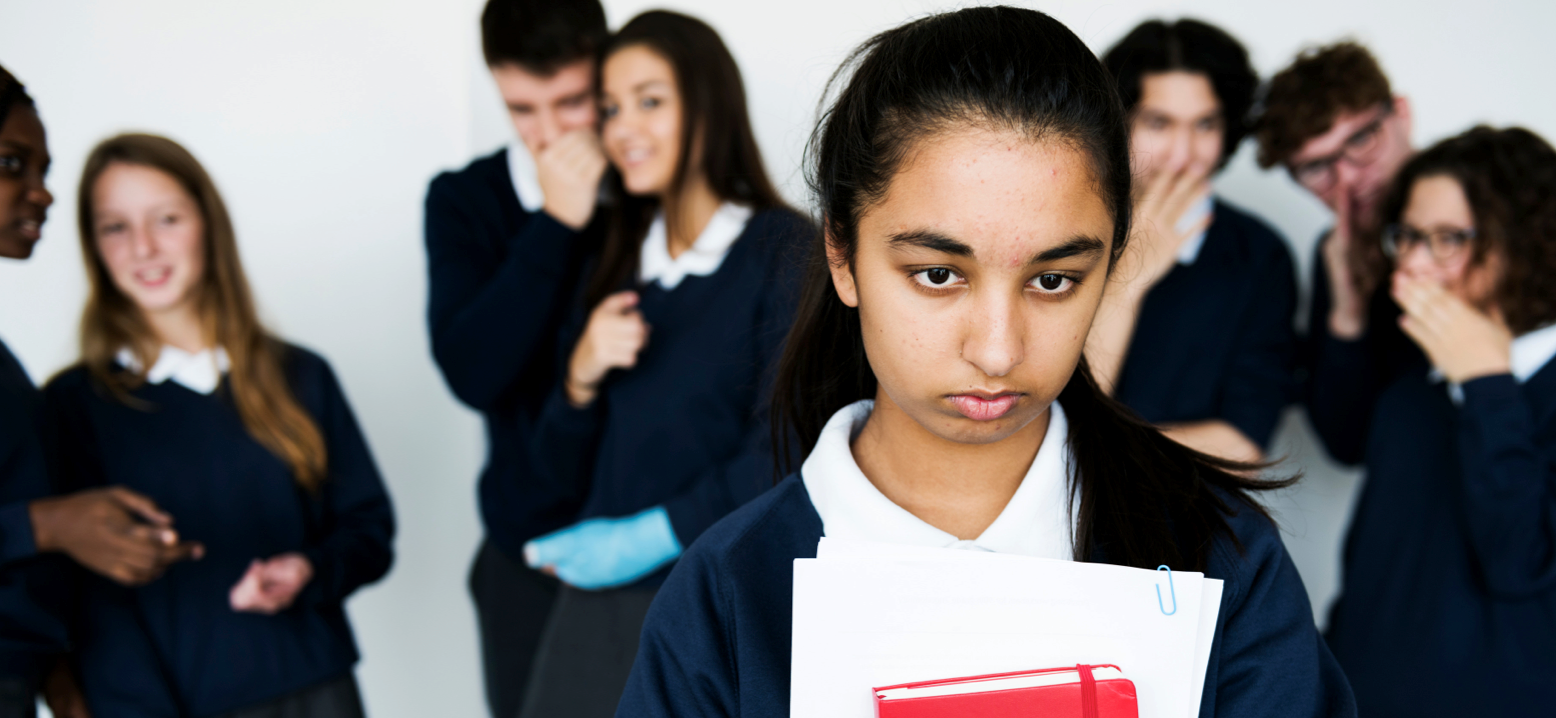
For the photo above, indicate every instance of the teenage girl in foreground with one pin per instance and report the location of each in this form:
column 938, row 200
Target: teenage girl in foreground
column 973, row 178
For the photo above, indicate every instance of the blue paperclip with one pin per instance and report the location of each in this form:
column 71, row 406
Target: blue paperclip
column 1170, row 590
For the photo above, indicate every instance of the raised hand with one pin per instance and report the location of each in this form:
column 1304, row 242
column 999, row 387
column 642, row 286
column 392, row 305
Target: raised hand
column 270, row 587
column 1461, row 342
column 113, row 531
column 1168, row 196
column 570, row 169
column 615, row 334
column 1347, row 299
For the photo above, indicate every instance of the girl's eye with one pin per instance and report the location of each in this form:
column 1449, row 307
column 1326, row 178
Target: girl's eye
column 608, row 111
column 10, row 163
column 937, row 278
column 650, row 103
column 110, row 228
column 1052, row 283
column 170, row 219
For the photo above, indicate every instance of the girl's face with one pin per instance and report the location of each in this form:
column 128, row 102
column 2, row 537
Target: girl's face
column 642, row 113
column 1178, row 117
column 150, row 234
column 1437, row 206
column 976, row 278
column 24, row 201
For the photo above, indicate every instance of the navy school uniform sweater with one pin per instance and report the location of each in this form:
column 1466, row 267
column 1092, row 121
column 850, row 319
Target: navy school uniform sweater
column 28, row 632
column 501, row 282
column 1343, row 378
column 1214, row 339
column 717, row 641
column 175, row 647
column 1449, row 579
column 687, row 426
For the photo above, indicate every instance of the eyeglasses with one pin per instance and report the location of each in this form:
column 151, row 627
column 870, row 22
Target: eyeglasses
column 1360, row 150
column 1442, row 243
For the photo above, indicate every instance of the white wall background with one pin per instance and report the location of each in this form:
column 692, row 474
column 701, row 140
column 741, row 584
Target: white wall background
column 322, row 122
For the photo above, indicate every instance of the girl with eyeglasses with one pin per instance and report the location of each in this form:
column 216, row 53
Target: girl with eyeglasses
column 1449, row 603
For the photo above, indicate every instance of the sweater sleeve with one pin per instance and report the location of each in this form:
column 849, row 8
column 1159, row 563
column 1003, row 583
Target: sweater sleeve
column 685, row 666
column 1509, row 488
column 1268, row 658
column 1258, row 384
column 352, row 514
column 488, row 311
column 22, row 479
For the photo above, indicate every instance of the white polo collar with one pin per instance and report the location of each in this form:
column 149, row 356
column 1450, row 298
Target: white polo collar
column 1530, row 353
column 200, row 372
column 525, row 177
column 1037, row 522
column 1188, row 252
column 704, row 256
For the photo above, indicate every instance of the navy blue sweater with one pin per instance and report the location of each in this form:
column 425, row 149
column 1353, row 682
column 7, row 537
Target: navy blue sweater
column 1214, row 339
column 1343, row 378
column 174, row 647
column 1449, row 580
column 501, row 282
column 687, row 426
column 717, row 639
column 28, row 633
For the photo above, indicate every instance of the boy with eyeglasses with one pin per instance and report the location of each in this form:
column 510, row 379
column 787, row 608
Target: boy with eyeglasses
column 1332, row 120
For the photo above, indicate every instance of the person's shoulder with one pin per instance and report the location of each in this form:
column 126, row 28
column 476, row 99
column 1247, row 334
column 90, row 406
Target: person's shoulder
column 1253, row 552
column 778, row 525
column 782, row 225
column 70, row 381
column 481, row 173
column 1260, row 239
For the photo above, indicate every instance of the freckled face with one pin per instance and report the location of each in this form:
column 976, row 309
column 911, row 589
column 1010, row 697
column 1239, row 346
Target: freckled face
column 977, row 277
column 150, row 234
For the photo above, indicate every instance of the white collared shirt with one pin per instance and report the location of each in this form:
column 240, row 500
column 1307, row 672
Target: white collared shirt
column 704, row 256
column 1530, row 353
column 525, row 177
column 1038, row 521
column 200, row 372
column 1188, row 252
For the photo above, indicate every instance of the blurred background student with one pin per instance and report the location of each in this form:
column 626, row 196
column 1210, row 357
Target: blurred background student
column 1342, row 134
column 659, row 425
column 1449, row 586
column 1196, row 332
column 244, row 440
column 506, row 240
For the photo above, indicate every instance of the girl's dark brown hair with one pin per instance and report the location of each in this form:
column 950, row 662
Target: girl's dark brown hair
column 1509, row 179
column 1144, row 499
column 257, row 379
column 716, row 128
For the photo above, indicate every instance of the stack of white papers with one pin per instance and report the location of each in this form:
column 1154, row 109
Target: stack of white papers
column 868, row 615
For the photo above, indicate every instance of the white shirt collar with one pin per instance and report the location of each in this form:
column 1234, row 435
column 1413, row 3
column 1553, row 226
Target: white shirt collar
column 1188, row 252
column 1530, row 353
column 200, row 372
column 1037, row 522
column 704, row 256
column 526, row 179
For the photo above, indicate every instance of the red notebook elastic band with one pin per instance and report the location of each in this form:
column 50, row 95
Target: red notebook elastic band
column 1088, row 692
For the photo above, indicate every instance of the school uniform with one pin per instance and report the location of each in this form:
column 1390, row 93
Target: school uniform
column 1214, row 338
column 1343, row 378
column 717, row 640
column 175, row 647
column 684, row 429
column 29, row 633
column 502, row 273
column 1449, row 580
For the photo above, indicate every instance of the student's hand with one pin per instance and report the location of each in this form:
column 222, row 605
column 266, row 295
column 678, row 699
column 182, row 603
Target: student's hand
column 269, row 587
column 62, row 692
column 1462, row 343
column 606, row 552
column 570, row 170
column 612, row 340
column 1176, row 187
column 114, row 531
column 1347, row 300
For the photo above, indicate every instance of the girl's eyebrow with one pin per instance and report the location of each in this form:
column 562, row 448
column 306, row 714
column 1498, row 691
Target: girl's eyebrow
column 1078, row 246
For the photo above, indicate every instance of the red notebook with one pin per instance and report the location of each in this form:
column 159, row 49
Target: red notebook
column 1082, row 691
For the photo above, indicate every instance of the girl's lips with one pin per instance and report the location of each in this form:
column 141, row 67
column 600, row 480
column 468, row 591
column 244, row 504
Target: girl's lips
column 980, row 408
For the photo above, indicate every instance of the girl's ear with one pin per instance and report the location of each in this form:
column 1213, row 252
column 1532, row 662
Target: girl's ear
column 842, row 272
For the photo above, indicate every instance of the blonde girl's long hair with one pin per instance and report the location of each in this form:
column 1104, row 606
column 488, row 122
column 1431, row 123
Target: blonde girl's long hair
column 256, row 379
